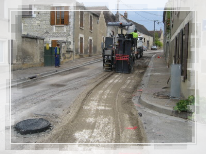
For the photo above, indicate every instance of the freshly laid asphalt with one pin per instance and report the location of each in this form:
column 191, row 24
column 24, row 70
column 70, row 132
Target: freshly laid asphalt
column 27, row 75
column 162, row 124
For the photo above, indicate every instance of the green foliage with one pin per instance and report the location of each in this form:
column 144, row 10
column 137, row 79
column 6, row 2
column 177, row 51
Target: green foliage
column 159, row 44
column 188, row 105
column 182, row 105
column 157, row 41
column 168, row 22
column 201, row 108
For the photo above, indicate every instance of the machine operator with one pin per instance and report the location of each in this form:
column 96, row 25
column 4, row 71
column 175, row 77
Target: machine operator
column 135, row 37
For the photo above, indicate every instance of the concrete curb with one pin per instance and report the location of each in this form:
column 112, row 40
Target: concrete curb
column 163, row 110
column 156, row 107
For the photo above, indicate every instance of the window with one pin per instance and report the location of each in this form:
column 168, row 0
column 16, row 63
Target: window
column 59, row 16
column 1, row 8
column 1, row 51
column 81, row 19
column 27, row 13
column 90, row 23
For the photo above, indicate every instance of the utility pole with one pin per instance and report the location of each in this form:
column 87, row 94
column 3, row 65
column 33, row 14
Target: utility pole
column 117, row 14
column 154, row 32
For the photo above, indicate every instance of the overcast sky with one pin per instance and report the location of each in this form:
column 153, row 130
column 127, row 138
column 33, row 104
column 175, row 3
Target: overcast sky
column 143, row 12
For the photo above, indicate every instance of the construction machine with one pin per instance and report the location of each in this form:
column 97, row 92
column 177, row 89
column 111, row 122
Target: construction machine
column 119, row 55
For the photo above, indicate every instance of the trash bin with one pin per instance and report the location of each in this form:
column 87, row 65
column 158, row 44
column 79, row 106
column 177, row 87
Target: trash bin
column 49, row 59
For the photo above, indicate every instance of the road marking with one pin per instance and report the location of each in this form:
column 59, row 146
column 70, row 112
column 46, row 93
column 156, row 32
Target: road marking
column 132, row 127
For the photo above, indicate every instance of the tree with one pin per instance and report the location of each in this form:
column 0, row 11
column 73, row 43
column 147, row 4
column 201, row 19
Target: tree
column 157, row 41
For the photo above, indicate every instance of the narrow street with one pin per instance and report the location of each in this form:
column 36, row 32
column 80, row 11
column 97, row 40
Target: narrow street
column 91, row 107
column 119, row 77
column 84, row 105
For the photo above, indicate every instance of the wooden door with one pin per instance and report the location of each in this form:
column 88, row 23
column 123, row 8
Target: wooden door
column 54, row 43
column 81, row 45
column 90, row 46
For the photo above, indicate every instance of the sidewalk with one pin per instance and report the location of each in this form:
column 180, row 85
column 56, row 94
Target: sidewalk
column 154, row 91
column 26, row 75
column 161, row 123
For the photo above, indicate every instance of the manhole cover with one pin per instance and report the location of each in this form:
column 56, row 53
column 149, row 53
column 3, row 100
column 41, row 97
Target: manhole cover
column 31, row 126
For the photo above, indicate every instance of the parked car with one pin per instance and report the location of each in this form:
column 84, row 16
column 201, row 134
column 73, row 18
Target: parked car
column 144, row 48
column 154, row 47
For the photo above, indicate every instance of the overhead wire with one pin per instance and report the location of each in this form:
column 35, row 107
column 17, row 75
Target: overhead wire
column 131, row 7
column 138, row 13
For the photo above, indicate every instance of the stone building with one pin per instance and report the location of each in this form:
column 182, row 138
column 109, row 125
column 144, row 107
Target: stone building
column 5, row 7
column 75, row 30
column 180, row 45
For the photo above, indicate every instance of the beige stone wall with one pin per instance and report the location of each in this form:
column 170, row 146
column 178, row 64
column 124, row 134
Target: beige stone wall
column 30, row 54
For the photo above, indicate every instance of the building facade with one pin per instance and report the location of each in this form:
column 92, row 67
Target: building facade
column 180, row 46
column 108, row 16
column 78, row 30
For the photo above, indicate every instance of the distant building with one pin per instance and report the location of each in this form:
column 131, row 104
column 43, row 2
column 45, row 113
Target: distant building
column 111, row 31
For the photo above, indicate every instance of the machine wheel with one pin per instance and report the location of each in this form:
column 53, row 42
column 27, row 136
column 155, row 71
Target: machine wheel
column 141, row 53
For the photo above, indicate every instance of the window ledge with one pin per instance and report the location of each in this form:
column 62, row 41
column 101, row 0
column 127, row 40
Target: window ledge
column 59, row 25
column 81, row 27
column 4, row 19
column 91, row 31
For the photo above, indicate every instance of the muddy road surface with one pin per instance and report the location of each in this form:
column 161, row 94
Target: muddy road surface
column 85, row 105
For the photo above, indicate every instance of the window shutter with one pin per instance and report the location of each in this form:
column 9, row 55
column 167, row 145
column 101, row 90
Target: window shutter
column 66, row 15
column 178, row 49
column 181, row 51
column 91, row 23
column 81, row 45
column 90, row 46
column 185, row 55
column 175, row 53
column 81, row 18
column 52, row 16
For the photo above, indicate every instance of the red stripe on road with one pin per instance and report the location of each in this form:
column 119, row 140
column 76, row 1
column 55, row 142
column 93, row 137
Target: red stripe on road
column 132, row 127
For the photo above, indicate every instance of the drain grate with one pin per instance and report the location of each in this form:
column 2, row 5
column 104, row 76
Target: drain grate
column 31, row 126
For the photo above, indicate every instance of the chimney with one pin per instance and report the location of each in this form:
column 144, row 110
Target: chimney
column 125, row 14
